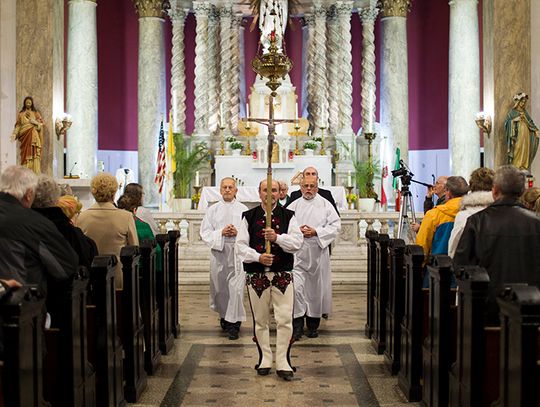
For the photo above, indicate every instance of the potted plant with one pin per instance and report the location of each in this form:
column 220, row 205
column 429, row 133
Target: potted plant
column 236, row 147
column 228, row 141
column 309, row 147
column 188, row 162
column 364, row 174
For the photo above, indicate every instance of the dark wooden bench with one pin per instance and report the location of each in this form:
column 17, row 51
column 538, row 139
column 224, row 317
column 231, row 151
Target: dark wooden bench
column 129, row 314
column 69, row 379
column 172, row 266
column 104, row 346
column 371, row 238
column 395, row 304
column 164, row 298
column 149, row 307
column 474, row 377
column 520, row 346
column 411, row 325
column 23, row 352
column 380, row 296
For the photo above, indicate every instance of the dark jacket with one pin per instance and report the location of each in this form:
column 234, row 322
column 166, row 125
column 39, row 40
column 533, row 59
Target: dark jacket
column 504, row 238
column 326, row 194
column 85, row 247
column 31, row 248
column 428, row 202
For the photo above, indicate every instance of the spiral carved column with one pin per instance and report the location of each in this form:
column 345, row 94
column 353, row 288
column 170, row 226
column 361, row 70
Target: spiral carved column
column 202, row 10
column 178, row 77
column 311, row 86
column 333, row 71
column 226, row 50
column 344, row 10
column 234, row 82
column 319, row 72
column 212, row 62
column 151, row 91
column 368, row 16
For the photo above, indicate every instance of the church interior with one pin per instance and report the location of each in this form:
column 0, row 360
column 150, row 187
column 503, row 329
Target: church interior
column 382, row 97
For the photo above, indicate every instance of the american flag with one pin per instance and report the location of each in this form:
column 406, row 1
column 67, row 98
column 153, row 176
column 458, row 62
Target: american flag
column 161, row 160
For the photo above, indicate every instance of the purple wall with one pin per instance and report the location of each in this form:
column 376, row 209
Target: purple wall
column 117, row 28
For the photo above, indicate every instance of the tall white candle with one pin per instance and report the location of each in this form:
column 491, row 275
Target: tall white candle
column 197, row 179
column 349, row 183
column 296, row 111
column 221, row 114
column 247, row 110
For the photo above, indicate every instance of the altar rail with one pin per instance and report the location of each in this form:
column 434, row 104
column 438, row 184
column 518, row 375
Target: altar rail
column 349, row 256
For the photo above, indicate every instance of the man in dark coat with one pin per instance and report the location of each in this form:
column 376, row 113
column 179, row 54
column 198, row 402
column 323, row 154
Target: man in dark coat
column 326, row 194
column 503, row 238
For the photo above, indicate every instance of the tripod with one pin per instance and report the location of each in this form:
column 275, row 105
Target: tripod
column 406, row 208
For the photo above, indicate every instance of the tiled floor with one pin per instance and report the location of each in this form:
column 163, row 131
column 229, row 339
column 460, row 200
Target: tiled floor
column 340, row 368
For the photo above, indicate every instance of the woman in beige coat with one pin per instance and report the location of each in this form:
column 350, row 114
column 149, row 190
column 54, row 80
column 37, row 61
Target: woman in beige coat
column 111, row 228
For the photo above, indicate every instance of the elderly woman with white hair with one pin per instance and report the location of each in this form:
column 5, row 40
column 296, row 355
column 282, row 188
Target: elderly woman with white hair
column 111, row 228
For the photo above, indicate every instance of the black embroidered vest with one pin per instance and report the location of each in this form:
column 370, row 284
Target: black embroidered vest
column 256, row 220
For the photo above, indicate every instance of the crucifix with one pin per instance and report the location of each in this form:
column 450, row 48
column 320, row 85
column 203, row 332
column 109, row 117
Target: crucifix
column 273, row 65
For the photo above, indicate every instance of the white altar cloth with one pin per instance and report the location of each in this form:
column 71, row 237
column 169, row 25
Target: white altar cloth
column 250, row 196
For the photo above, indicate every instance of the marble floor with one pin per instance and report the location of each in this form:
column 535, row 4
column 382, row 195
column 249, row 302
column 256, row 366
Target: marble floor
column 339, row 368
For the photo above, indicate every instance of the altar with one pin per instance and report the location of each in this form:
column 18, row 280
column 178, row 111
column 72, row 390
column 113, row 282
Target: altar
column 250, row 196
column 249, row 172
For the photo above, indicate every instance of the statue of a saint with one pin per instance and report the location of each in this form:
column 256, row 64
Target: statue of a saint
column 28, row 131
column 521, row 134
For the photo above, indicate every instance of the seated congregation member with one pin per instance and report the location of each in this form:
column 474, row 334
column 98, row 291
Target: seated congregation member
column 46, row 204
column 326, row 194
column 438, row 222
column 284, row 197
column 135, row 191
column 227, row 280
column 479, row 197
column 531, row 199
column 6, row 286
column 130, row 203
column 320, row 225
column 503, row 238
column 269, row 277
column 111, row 228
column 32, row 251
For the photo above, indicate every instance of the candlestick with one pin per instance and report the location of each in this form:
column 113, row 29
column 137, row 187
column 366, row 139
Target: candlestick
column 349, row 196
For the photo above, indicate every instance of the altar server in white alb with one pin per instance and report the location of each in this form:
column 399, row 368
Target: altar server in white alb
column 320, row 225
column 227, row 281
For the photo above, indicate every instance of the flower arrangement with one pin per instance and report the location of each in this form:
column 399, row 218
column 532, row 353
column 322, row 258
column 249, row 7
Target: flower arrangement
column 316, row 139
column 236, row 145
column 310, row 145
column 230, row 139
column 195, row 198
column 351, row 197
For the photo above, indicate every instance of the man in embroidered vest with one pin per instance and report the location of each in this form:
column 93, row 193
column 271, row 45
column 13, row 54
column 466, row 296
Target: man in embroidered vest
column 269, row 277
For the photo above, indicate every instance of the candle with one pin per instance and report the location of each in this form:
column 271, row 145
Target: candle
column 296, row 111
column 349, row 179
column 309, row 133
column 247, row 110
column 221, row 114
column 197, row 178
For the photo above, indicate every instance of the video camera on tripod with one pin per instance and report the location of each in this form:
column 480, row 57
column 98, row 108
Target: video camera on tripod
column 407, row 176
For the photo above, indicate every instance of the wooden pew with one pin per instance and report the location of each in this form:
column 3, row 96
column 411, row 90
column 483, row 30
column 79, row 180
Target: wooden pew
column 135, row 378
column 105, row 349
column 371, row 237
column 23, row 352
column 440, row 345
column 380, row 296
column 411, row 325
column 69, row 379
column 474, row 377
column 164, row 299
column 520, row 346
column 395, row 304
column 149, row 308
column 174, row 235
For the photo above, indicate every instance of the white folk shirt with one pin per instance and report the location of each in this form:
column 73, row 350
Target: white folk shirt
column 227, row 279
column 312, row 275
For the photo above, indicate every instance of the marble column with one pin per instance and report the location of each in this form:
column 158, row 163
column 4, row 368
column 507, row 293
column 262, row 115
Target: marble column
column 212, row 62
column 368, row 16
column 319, row 68
column 333, row 71
column 202, row 10
column 506, row 68
column 394, row 77
column 344, row 10
column 464, row 88
column 226, row 69
column 234, row 96
column 151, row 92
column 82, row 88
column 178, row 75
column 311, row 85
column 40, row 69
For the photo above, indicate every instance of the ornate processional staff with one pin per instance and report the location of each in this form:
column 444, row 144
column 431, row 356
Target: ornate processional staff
column 273, row 65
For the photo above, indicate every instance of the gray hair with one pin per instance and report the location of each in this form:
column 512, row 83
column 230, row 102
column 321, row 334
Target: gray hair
column 16, row 180
column 509, row 181
column 47, row 192
column 457, row 186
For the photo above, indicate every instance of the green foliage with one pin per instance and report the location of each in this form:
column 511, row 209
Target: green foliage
column 236, row 145
column 364, row 174
column 188, row 160
column 310, row 145
column 230, row 139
